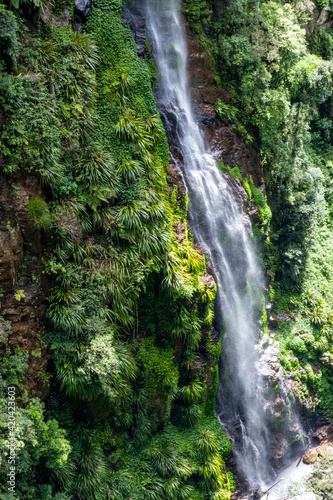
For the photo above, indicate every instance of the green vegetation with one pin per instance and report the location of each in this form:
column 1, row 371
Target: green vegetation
column 305, row 342
column 40, row 213
column 230, row 113
column 255, row 196
column 321, row 482
column 127, row 306
column 282, row 90
column 277, row 64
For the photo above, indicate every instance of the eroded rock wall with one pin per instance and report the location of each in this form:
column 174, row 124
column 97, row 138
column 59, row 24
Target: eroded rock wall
column 221, row 136
column 22, row 281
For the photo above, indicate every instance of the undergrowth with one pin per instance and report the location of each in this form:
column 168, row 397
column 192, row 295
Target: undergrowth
column 128, row 309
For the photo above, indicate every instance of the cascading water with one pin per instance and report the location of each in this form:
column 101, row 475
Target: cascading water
column 222, row 231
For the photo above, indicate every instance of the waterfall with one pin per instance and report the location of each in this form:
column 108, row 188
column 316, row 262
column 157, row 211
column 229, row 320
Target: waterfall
column 222, row 230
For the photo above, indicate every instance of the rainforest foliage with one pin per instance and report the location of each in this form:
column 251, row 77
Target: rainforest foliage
column 275, row 57
column 130, row 412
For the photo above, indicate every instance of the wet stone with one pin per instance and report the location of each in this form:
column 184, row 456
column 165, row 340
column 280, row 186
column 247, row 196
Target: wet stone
column 83, row 6
column 325, row 451
column 310, row 457
column 283, row 316
column 273, row 321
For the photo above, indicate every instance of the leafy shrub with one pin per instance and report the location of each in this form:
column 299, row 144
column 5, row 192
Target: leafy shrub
column 14, row 366
column 41, row 448
column 9, row 40
column 297, row 345
column 321, row 481
column 39, row 211
column 226, row 111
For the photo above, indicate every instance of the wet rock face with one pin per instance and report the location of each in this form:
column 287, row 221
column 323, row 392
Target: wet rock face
column 133, row 17
column 223, row 141
column 248, row 208
column 289, row 414
column 280, row 405
column 47, row 16
column 21, row 270
column 82, row 9
column 174, row 178
column 323, row 434
column 83, row 6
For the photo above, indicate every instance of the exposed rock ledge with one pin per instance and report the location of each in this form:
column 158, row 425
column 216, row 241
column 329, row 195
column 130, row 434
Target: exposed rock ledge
column 21, row 269
column 223, row 140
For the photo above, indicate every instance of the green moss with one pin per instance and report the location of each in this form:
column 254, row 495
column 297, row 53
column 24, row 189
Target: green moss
column 159, row 373
column 39, row 212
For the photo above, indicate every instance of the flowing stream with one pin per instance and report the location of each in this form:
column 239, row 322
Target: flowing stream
column 222, row 230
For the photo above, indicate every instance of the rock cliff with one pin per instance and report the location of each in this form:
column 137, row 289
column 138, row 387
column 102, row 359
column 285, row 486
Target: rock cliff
column 23, row 283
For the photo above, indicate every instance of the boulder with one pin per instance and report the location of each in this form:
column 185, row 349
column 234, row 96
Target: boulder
column 268, row 308
column 326, row 451
column 46, row 16
column 271, row 356
column 283, row 316
column 266, row 371
column 62, row 20
column 207, row 280
column 264, row 340
column 83, row 6
column 323, row 434
column 324, row 16
column 132, row 17
column 325, row 20
column 310, row 457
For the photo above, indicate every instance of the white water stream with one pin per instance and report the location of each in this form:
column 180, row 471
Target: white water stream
column 222, row 230
column 292, row 482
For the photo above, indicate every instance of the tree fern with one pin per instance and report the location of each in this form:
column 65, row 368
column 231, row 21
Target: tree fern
column 92, row 470
column 130, row 170
column 67, row 318
column 164, row 459
column 190, row 393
